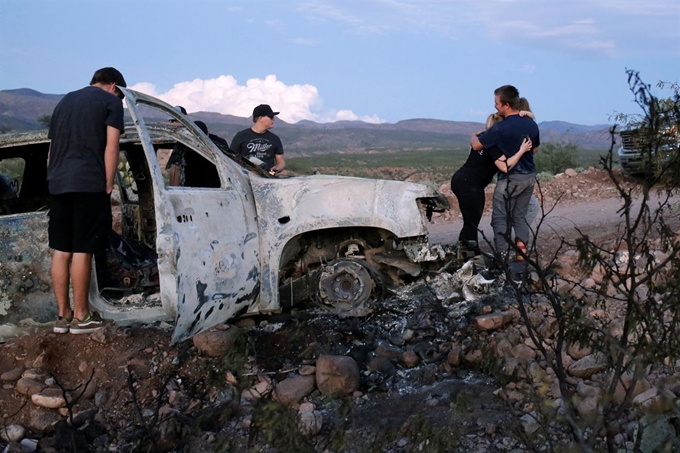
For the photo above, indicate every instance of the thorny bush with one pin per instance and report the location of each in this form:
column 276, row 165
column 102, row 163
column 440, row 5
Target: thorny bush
column 630, row 319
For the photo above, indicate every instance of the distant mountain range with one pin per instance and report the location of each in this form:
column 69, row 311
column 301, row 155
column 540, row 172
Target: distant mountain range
column 21, row 108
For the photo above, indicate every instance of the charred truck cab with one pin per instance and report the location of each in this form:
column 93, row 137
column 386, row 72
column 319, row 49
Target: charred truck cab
column 230, row 240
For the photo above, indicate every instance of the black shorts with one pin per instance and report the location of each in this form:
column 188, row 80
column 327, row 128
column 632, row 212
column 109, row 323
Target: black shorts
column 80, row 222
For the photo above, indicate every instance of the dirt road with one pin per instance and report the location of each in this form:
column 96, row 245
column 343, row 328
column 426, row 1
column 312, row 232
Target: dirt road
column 596, row 214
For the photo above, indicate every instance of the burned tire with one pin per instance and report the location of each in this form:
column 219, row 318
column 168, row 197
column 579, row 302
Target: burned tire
column 349, row 285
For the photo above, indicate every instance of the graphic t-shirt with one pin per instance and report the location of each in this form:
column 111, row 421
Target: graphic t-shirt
column 264, row 147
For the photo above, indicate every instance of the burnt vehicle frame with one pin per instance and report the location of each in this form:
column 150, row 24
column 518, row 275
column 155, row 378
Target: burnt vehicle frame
column 248, row 244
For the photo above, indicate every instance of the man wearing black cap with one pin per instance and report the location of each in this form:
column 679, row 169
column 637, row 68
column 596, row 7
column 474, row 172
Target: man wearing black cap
column 85, row 129
column 258, row 144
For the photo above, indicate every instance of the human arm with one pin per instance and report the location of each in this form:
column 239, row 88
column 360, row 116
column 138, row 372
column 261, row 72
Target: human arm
column 279, row 165
column 505, row 164
column 475, row 143
column 111, row 156
column 528, row 113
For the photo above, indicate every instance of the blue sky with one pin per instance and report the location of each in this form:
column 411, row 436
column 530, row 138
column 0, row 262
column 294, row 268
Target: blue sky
column 374, row 60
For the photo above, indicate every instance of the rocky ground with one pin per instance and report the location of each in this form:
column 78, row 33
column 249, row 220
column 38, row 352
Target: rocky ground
column 443, row 364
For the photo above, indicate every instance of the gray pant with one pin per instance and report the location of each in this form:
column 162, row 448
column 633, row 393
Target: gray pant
column 533, row 210
column 510, row 204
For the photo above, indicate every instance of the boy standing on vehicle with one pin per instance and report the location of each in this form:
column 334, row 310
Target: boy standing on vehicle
column 85, row 130
column 258, row 144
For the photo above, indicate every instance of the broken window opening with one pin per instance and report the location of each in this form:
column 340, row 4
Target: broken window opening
column 182, row 165
column 127, row 273
column 23, row 179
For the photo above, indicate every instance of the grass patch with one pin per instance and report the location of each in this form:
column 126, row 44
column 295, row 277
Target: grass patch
column 434, row 166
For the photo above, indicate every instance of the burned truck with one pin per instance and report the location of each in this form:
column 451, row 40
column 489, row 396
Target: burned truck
column 233, row 241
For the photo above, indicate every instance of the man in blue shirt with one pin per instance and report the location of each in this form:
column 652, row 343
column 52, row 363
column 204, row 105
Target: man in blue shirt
column 515, row 184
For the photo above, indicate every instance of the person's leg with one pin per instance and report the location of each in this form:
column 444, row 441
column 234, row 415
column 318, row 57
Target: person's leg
column 533, row 210
column 523, row 186
column 60, row 234
column 91, row 231
column 60, row 280
column 471, row 202
column 81, row 270
column 500, row 215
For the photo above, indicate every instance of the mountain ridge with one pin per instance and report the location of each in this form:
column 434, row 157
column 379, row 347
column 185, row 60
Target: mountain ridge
column 21, row 108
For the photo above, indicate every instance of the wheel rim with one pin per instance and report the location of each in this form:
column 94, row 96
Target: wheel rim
column 345, row 284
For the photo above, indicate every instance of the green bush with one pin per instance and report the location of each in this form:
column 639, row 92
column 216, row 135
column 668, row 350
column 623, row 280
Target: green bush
column 556, row 157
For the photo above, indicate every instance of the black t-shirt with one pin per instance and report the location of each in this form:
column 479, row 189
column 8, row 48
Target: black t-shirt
column 249, row 143
column 480, row 165
column 78, row 133
column 508, row 134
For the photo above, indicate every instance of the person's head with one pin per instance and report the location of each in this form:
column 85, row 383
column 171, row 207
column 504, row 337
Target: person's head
column 524, row 104
column 506, row 99
column 202, row 126
column 263, row 116
column 178, row 109
column 493, row 119
column 107, row 79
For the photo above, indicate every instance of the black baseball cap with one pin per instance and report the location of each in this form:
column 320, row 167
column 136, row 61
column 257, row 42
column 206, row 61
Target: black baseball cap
column 263, row 110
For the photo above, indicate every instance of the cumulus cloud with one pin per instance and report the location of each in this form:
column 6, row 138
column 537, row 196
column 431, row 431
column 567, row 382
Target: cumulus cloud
column 226, row 96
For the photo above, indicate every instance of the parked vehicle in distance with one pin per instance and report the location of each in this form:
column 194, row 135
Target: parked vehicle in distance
column 640, row 154
column 236, row 242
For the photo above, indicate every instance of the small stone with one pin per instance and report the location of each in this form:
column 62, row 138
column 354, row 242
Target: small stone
column 387, row 351
column 12, row 375
column 410, row 359
column 12, row 433
column 100, row 398
column 474, row 356
column 408, row 335
column 292, row 390
column 522, row 351
column 34, row 374
column 453, row 358
column 587, row 366
column 49, row 399
column 381, row 365
column 104, row 334
column 28, row 445
column 492, row 321
column 81, row 417
column 28, row 387
column 41, row 419
column 337, row 375
column 529, row 423
column 216, row 343
column 310, row 422
column 84, row 368
column 231, row 379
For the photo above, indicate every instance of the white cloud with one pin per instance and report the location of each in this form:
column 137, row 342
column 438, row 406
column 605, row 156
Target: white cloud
column 224, row 95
